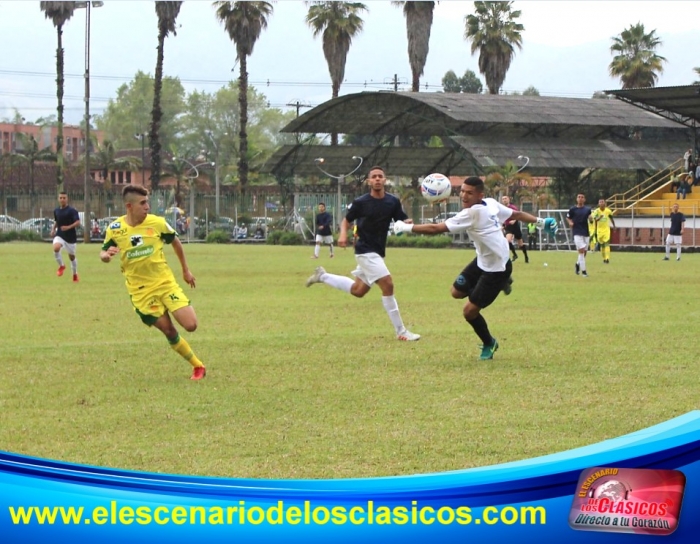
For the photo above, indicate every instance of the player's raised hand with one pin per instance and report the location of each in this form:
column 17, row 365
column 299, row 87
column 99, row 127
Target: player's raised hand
column 401, row 226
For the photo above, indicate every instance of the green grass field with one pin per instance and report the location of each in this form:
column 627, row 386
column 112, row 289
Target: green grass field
column 311, row 383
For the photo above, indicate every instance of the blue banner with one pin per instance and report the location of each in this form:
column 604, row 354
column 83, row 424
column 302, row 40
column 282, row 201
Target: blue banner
column 525, row 501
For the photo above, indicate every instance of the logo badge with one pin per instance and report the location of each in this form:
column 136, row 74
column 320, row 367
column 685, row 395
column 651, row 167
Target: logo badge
column 628, row 500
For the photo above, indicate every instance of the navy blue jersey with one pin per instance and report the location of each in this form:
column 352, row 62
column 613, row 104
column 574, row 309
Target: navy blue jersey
column 677, row 220
column 64, row 217
column 323, row 224
column 579, row 216
column 373, row 217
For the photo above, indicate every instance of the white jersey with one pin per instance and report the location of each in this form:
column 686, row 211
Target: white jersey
column 483, row 224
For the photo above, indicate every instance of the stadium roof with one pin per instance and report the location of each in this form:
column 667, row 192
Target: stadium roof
column 681, row 104
column 472, row 155
column 448, row 114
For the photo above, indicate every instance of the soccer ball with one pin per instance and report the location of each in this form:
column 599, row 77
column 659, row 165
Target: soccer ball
column 435, row 187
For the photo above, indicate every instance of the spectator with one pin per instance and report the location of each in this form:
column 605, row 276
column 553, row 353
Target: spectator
column 686, row 159
column 259, row 232
column 683, row 186
column 242, row 233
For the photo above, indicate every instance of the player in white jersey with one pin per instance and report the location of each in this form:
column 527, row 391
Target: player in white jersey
column 489, row 273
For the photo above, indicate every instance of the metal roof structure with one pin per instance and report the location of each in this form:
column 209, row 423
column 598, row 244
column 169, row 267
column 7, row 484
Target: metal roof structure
column 681, row 104
column 478, row 131
column 448, row 114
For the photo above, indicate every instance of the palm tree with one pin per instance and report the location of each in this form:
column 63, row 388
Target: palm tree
column 635, row 61
column 31, row 154
column 494, row 32
column 103, row 158
column 339, row 22
column 167, row 13
column 419, row 20
column 244, row 22
column 59, row 13
column 506, row 180
column 697, row 73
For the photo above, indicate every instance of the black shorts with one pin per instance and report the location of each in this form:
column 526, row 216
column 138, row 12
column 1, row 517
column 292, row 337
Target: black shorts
column 514, row 229
column 482, row 287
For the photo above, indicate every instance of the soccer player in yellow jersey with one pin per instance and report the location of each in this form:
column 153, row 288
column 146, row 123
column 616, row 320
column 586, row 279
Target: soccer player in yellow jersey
column 139, row 238
column 602, row 218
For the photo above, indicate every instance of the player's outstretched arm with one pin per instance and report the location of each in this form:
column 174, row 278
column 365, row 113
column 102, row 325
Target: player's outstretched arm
column 106, row 255
column 428, row 228
column 180, row 254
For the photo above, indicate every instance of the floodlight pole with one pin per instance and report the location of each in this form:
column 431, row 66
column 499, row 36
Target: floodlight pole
column 341, row 179
column 193, row 169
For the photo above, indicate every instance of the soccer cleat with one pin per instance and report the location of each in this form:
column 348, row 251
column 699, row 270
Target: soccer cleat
column 527, row 260
column 606, row 261
column 408, row 336
column 198, row 373
column 578, row 268
column 488, row 351
column 666, row 259
column 514, row 257
column 316, row 276
column 332, row 255
column 313, row 257
column 584, row 274
column 60, row 270
column 508, row 289
column 75, row 278
column 678, row 258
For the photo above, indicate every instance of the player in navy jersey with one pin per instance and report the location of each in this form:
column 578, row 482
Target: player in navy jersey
column 323, row 230
column 578, row 218
column 373, row 213
column 66, row 220
column 675, row 233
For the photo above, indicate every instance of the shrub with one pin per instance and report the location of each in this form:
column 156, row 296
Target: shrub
column 218, row 237
column 22, row 235
column 412, row 240
column 273, row 237
column 291, row 239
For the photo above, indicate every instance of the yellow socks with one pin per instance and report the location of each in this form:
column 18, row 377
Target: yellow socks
column 181, row 346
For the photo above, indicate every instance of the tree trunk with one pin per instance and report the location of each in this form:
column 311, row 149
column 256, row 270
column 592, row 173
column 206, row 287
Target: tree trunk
column 336, row 92
column 156, row 115
column 243, row 134
column 59, row 109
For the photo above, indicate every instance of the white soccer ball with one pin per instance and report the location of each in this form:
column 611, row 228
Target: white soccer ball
column 435, row 187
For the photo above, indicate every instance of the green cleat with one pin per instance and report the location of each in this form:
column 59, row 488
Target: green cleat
column 488, row 351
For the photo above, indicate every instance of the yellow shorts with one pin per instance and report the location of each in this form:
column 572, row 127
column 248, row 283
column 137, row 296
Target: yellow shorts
column 603, row 237
column 152, row 303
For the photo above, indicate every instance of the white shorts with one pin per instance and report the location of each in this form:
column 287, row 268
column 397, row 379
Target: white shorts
column 321, row 239
column 370, row 268
column 674, row 239
column 70, row 248
column 581, row 242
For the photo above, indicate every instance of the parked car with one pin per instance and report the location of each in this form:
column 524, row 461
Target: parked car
column 40, row 225
column 8, row 223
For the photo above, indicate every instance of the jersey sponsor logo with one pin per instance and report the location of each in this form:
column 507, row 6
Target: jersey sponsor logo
column 136, row 240
column 115, row 225
column 140, row 251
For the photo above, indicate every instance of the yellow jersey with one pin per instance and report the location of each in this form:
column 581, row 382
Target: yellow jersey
column 141, row 251
column 602, row 217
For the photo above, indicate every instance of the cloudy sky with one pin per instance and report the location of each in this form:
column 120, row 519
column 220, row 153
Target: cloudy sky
column 565, row 50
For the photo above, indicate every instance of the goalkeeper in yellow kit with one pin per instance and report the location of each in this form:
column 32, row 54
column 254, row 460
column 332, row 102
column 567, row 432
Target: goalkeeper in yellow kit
column 602, row 218
column 155, row 294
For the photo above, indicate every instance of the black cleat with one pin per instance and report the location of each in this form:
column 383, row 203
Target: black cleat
column 578, row 269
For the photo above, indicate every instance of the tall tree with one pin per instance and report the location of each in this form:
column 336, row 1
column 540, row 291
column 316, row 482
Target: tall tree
column 167, row 13
column 494, row 32
column 339, row 22
column 244, row 22
column 636, row 62
column 419, row 20
column 59, row 13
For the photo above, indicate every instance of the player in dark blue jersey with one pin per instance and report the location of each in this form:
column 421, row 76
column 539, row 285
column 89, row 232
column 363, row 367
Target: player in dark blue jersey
column 66, row 220
column 579, row 217
column 373, row 213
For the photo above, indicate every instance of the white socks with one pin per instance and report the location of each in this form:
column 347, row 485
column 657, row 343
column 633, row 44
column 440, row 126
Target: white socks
column 582, row 261
column 57, row 256
column 317, row 250
column 74, row 265
column 338, row 282
column 392, row 308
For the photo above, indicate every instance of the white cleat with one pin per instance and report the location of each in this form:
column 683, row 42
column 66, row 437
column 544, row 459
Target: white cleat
column 408, row 336
column 316, row 276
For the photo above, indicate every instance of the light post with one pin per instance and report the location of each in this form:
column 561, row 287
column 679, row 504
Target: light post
column 142, row 138
column 341, row 178
column 217, row 185
column 87, row 227
column 194, row 174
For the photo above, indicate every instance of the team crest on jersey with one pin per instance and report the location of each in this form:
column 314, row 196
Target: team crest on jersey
column 150, row 232
column 136, row 240
column 115, row 225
